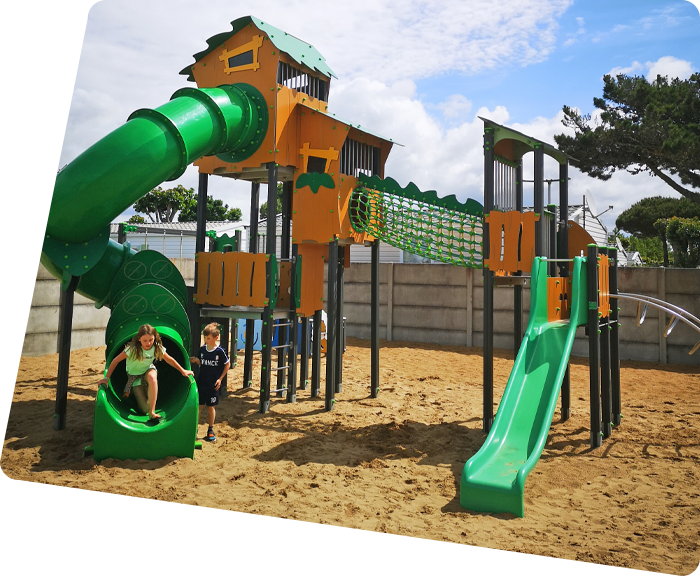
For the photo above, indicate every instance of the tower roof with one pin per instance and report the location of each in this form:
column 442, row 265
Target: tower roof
column 301, row 52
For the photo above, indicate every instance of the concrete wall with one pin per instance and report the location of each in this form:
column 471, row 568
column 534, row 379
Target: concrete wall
column 89, row 323
column 431, row 303
column 443, row 304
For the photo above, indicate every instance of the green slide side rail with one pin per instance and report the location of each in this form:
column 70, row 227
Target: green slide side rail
column 421, row 223
column 493, row 480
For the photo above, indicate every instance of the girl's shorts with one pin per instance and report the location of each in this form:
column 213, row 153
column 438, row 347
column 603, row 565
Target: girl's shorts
column 134, row 380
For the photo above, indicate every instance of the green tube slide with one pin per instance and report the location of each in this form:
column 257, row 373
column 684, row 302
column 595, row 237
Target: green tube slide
column 143, row 288
column 493, row 480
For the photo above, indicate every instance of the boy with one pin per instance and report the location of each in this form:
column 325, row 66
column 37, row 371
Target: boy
column 214, row 365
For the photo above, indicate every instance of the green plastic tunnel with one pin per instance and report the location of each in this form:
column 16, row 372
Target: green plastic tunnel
column 151, row 147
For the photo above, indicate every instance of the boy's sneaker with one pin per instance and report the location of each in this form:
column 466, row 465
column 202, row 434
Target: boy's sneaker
column 210, row 437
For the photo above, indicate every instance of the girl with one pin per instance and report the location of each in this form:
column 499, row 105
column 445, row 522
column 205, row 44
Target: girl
column 144, row 348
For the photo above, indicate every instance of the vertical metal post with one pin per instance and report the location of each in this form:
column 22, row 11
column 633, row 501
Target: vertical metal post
column 488, row 282
column 374, row 320
column 331, row 327
column 265, row 368
column 304, row 354
column 563, row 253
column 593, row 344
column 316, row 356
column 605, row 390
column 339, row 322
column 65, row 328
column 121, row 233
column 539, row 199
column 200, row 241
column 224, row 340
column 267, row 320
column 293, row 330
column 252, row 249
column 518, row 288
column 234, row 321
column 552, row 250
column 615, row 342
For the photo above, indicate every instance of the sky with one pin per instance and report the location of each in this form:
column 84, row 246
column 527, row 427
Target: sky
column 421, row 72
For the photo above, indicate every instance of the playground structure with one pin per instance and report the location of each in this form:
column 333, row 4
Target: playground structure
column 260, row 114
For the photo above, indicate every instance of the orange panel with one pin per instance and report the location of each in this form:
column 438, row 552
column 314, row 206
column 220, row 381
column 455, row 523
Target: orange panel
column 283, row 300
column 558, row 299
column 312, row 260
column 527, row 241
column 209, row 278
column 511, row 228
column 495, row 221
column 604, row 285
column 579, row 239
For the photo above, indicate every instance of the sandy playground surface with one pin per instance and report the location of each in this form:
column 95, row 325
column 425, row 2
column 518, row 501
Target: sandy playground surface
column 393, row 464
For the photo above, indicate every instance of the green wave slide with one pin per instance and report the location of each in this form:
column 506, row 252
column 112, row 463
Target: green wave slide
column 151, row 147
column 493, row 480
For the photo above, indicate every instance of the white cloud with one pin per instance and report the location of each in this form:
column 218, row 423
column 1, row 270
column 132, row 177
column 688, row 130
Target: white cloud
column 670, row 67
column 665, row 66
column 455, row 106
column 628, row 70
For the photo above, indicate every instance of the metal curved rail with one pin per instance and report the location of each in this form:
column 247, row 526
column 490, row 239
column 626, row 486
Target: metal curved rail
column 675, row 311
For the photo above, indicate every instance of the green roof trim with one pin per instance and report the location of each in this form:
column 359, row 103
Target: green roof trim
column 350, row 124
column 523, row 142
column 301, row 52
column 411, row 191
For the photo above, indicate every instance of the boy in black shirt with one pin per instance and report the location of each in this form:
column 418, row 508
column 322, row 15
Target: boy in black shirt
column 214, row 365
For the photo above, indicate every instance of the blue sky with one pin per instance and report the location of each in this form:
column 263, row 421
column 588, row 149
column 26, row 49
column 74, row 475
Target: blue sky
column 418, row 71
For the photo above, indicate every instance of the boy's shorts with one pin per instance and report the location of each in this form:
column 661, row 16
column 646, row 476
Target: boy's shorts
column 207, row 395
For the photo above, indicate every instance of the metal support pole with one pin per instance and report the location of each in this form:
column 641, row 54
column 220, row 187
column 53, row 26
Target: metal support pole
column 615, row 342
column 374, row 320
column 252, row 249
column 331, row 327
column 563, row 253
column 316, row 356
column 304, row 355
column 224, row 341
column 539, row 199
column 265, row 368
column 488, row 282
column 65, row 328
column 339, row 322
column 605, row 389
column 200, row 241
column 552, row 268
column 593, row 344
column 293, row 330
column 518, row 288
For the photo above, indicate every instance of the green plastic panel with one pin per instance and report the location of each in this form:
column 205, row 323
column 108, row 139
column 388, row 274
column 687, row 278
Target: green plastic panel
column 148, row 267
column 493, row 480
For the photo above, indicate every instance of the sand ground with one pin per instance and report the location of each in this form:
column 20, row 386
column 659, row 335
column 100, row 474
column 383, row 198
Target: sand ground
column 393, row 464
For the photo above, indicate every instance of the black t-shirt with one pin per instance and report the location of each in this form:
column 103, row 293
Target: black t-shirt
column 211, row 365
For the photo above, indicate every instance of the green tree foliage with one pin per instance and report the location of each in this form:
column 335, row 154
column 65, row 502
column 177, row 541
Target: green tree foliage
column 684, row 236
column 263, row 206
column 217, row 211
column 639, row 218
column 136, row 219
column 641, row 127
column 650, row 249
column 162, row 205
column 14, row 229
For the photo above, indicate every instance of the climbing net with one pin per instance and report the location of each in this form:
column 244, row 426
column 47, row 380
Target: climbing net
column 412, row 224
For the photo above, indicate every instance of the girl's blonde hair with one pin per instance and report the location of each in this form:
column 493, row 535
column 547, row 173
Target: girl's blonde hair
column 135, row 345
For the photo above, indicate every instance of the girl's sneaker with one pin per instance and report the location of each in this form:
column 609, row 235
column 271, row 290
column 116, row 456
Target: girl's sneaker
column 210, row 437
